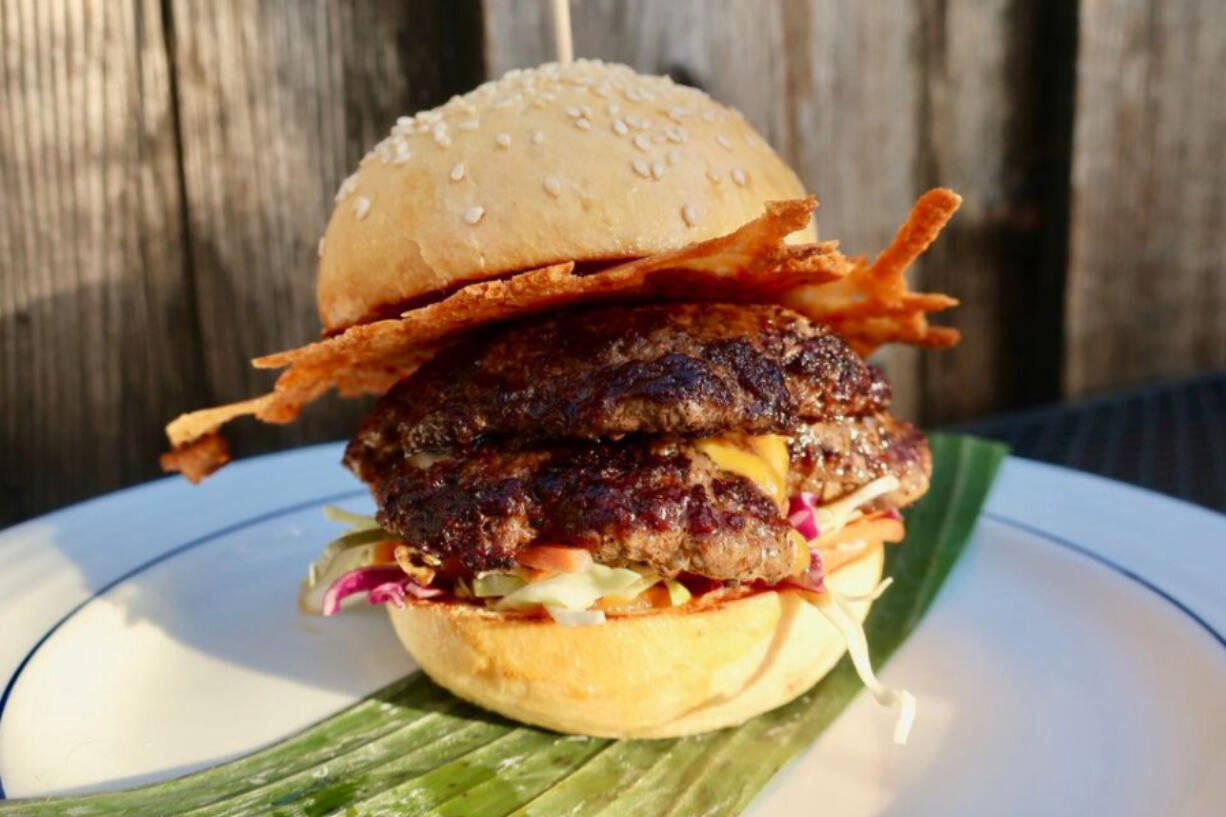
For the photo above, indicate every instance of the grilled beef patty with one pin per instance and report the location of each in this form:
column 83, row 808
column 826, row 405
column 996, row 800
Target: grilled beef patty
column 832, row 459
column 653, row 500
column 582, row 428
column 694, row 369
column 650, row 501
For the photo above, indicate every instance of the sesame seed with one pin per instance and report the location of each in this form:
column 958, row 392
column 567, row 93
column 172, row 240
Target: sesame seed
column 600, row 90
column 404, row 121
column 470, row 125
column 402, row 158
column 657, row 170
column 361, row 207
column 633, row 121
column 708, row 116
column 676, row 114
column 583, row 124
column 738, row 176
column 642, row 142
column 673, row 156
column 538, row 137
column 689, row 215
column 442, row 139
column 619, row 127
column 641, row 168
column 503, row 140
column 319, row 250
column 457, row 172
column 614, row 109
column 573, row 112
column 713, row 175
column 347, row 186
column 474, row 214
column 723, row 141
column 553, row 186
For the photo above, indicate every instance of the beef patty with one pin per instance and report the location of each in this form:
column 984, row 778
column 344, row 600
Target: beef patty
column 653, row 500
column 670, row 369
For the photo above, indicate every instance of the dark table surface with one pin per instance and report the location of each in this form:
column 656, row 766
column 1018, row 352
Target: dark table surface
column 1169, row 438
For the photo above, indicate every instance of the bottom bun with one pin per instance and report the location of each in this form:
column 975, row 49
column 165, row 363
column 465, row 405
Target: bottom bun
column 657, row 675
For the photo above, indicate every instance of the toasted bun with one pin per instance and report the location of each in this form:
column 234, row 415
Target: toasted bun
column 578, row 162
column 659, row 675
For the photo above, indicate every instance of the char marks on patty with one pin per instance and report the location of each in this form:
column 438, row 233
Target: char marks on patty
column 832, row 459
column 693, row 369
column 631, row 502
column 658, row 501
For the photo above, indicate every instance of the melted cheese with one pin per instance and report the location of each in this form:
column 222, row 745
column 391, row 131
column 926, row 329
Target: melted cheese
column 763, row 460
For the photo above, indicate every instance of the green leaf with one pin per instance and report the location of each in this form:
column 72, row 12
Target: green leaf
column 414, row 749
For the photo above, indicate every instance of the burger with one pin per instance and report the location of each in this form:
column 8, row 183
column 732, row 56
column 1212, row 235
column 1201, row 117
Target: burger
column 633, row 475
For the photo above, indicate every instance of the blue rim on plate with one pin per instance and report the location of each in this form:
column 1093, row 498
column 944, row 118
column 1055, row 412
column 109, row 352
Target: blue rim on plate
column 1039, row 533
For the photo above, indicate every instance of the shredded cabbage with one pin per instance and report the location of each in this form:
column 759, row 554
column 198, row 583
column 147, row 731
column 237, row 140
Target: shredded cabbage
column 349, row 552
column 835, row 515
column 317, row 582
column 647, row 579
column 572, row 591
column 873, row 594
column 353, row 549
column 575, row 618
column 678, row 593
column 490, row 583
column 836, row 610
column 356, row 521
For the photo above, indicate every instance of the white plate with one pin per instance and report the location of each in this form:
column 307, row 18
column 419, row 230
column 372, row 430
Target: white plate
column 1074, row 663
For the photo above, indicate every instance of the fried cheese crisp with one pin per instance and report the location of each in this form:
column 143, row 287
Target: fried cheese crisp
column 868, row 305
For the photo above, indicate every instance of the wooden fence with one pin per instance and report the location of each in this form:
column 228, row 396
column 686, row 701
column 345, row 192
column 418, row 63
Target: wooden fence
column 168, row 165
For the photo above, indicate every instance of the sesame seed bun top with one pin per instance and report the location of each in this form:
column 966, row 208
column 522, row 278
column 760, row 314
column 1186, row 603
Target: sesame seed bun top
column 580, row 162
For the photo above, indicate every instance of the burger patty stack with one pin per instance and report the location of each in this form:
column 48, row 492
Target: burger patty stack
column 667, row 438
column 632, row 476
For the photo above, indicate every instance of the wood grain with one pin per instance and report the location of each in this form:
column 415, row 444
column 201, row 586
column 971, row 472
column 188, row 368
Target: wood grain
column 98, row 343
column 1147, row 259
column 803, row 62
column 278, row 103
column 168, row 166
column 872, row 103
column 992, row 109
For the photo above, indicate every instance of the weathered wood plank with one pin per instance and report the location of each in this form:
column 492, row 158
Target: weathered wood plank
column 97, row 340
column 788, row 66
column 279, row 101
column 852, row 112
column 995, row 124
column 872, row 103
column 1147, row 259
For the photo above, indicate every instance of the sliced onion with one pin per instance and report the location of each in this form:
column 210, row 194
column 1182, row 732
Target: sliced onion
column 417, row 591
column 802, row 514
column 362, row 580
column 394, row 592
